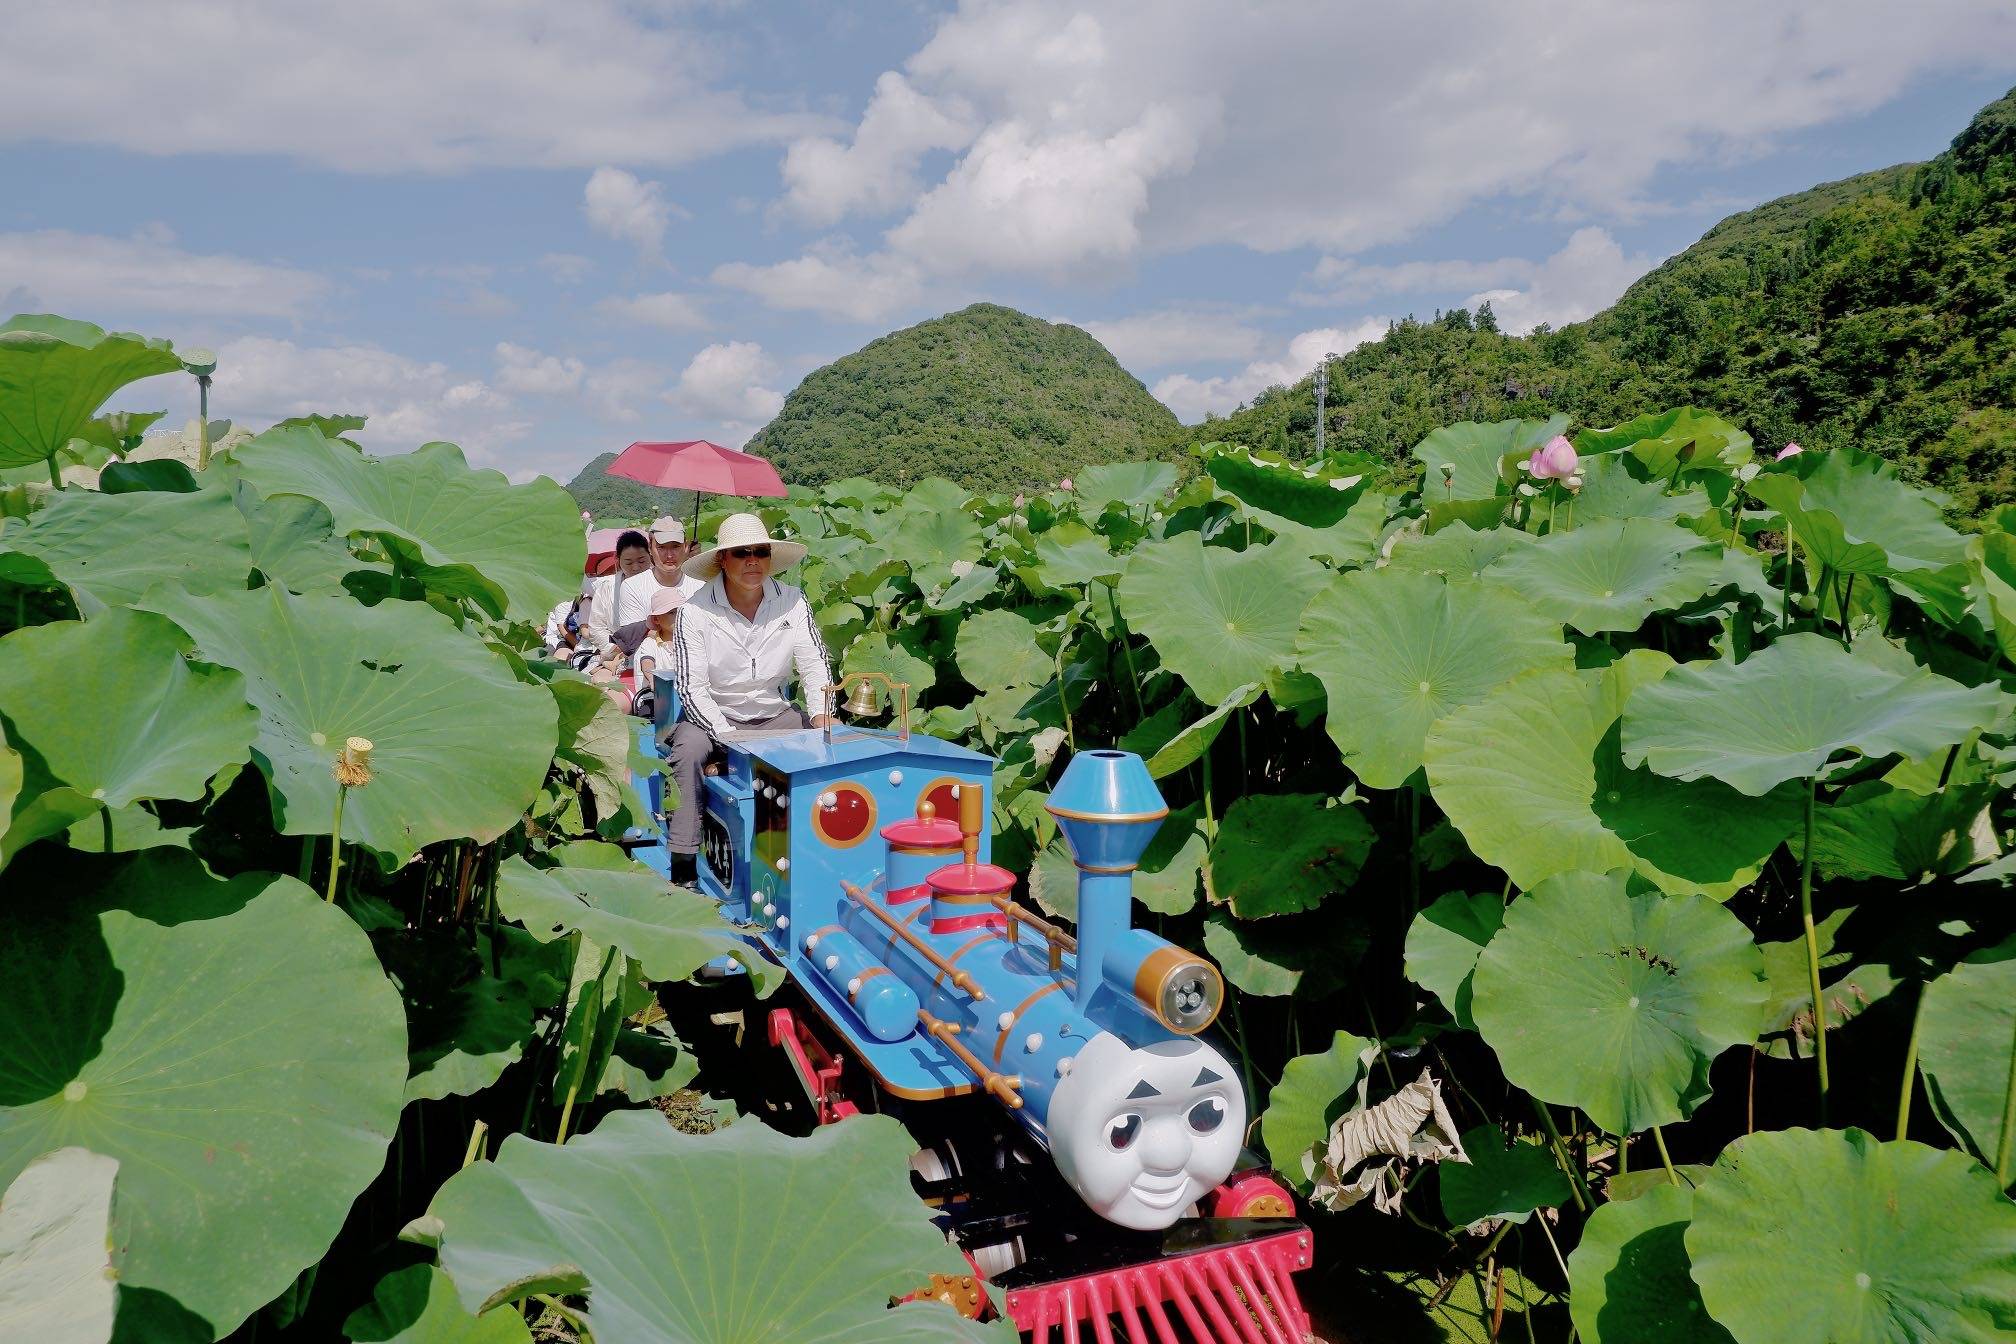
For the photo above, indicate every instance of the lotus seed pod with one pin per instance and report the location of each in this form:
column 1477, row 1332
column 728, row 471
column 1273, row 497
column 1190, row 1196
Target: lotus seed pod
column 353, row 763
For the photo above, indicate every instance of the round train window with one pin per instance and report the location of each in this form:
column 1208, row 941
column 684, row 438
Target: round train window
column 843, row 814
column 942, row 794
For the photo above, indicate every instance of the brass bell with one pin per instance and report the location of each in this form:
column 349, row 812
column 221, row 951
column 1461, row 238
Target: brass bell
column 866, row 699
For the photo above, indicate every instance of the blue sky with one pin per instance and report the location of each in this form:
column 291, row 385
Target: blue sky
column 544, row 230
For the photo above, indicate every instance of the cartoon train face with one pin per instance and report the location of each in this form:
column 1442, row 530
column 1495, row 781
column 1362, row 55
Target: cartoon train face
column 860, row 861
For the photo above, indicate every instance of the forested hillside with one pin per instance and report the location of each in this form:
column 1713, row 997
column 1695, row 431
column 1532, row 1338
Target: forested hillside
column 613, row 500
column 987, row 396
column 1875, row 311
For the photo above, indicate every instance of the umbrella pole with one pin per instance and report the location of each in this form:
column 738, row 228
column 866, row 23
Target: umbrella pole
column 693, row 533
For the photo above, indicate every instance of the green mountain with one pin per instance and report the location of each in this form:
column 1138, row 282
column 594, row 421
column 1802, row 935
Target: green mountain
column 987, row 396
column 1878, row 311
column 615, row 501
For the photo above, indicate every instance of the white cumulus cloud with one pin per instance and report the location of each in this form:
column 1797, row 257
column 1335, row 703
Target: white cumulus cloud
column 1585, row 276
column 621, row 206
column 725, row 382
column 673, row 312
column 87, row 275
column 523, row 370
column 1194, row 398
column 829, row 280
column 1155, row 340
column 826, row 180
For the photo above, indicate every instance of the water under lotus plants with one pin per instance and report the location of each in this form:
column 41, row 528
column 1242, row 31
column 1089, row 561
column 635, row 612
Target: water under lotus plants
column 1637, row 796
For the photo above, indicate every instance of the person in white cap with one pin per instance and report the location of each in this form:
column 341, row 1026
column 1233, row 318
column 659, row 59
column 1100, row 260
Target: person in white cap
column 669, row 551
column 739, row 640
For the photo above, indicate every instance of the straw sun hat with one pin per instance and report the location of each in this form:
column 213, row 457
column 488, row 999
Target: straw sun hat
column 745, row 529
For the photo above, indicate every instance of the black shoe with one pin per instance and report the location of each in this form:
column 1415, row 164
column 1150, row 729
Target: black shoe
column 685, row 869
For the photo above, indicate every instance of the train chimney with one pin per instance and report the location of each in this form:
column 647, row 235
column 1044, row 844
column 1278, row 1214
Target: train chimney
column 1108, row 808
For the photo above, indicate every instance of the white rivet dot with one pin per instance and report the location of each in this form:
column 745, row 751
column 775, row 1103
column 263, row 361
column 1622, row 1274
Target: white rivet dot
column 784, row 922
column 955, row 790
column 1063, row 1067
column 854, row 986
column 783, row 865
column 832, row 962
column 895, row 776
column 769, row 909
column 813, row 942
column 1034, row 1043
column 1005, row 1021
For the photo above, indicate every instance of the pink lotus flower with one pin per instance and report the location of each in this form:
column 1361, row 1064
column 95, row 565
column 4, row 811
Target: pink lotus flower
column 1019, row 501
column 1789, row 450
column 1554, row 460
column 1065, row 484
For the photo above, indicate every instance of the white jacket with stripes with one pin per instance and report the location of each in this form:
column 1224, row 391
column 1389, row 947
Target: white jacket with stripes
column 731, row 671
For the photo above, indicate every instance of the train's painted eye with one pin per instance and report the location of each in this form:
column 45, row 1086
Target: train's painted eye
column 1122, row 1132
column 1207, row 1115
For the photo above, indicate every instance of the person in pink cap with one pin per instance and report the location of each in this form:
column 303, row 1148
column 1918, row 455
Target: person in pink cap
column 654, row 653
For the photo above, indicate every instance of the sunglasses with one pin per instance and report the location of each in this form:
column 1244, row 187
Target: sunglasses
column 746, row 552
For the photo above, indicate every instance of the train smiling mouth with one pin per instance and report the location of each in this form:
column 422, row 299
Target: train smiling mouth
column 1160, row 1196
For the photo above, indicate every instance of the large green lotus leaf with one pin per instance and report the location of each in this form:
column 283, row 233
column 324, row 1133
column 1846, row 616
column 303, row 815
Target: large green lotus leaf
column 1444, row 942
column 10, row 786
column 1669, row 442
column 294, row 543
column 109, row 549
column 234, row 1045
column 1219, row 618
column 417, row 1305
column 460, row 745
column 1968, row 1051
column 1314, row 1090
column 1308, row 955
column 1397, row 651
column 1074, row 553
column 933, row 539
column 1312, row 498
column 1533, row 778
column 669, row 931
column 737, row 1235
column 1630, row 1277
column 1351, row 541
column 1783, row 713
column 1458, row 551
column 1166, row 881
column 876, row 652
column 170, row 728
column 461, row 1039
column 1476, row 454
column 1807, row 1236
column 1612, row 574
column 56, row 373
column 1279, row 853
column 1131, row 484
column 997, row 649
column 1617, row 1004
column 513, row 549
column 57, row 1281
column 1184, row 747
column 1500, row 1181
column 1611, row 490
column 1854, row 517
column 1875, row 829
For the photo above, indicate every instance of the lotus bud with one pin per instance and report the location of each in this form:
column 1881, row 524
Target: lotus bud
column 1019, row 501
column 1789, row 450
column 1554, row 460
column 353, row 763
column 1065, row 484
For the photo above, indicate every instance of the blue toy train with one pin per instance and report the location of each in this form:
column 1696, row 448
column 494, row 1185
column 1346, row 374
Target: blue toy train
column 1080, row 1134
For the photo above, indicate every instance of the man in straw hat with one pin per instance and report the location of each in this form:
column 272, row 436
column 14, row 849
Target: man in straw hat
column 739, row 639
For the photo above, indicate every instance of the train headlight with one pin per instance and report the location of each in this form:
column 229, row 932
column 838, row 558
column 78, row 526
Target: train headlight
column 1180, row 988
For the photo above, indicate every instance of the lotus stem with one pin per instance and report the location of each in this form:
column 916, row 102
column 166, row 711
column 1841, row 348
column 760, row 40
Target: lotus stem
column 336, row 844
column 2005, row 1147
column 1126, row 648
column 352, row 770
column 55, row 476
column 105, row 819
column 202, row 421
column 1578, row 1186
column 567, row 1110
column 1847, row 635
column 1665, row 1157
column 1813, row 948
column 475, row 1148
column 1623, row 1154
column 1064, row 698
column 1905, row 1088
column 1540, row 1217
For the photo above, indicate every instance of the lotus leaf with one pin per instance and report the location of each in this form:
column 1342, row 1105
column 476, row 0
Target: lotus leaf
column 648, row 1064
column 324, row 669
column 1131, row 484
column 1853, row 516
column 1479, row 514
column 967, row 590
column 1610, row 489
column 1444, row 942
column 1670, row 442
column 932, row 540
column 1458, row 551
column 1313, row 1092
column 1218, row 618
column 669, row 931
column 1192, row 741
column 1398, row 651
column 1279, row 853
column 172, row 726
column 1968, row 1054
column 460, row 1040
column 938, row 495
column 728, row 1236
column 1630, row 1272
column 10, row 786
column 1476, row 454
column 57, row 1281
column 234, row 1045
column 1870, row 1242
column 163, row 474
column 1285, row 490
column 1875, row 829
column 1783, row 713
column 1532, row 776
column 294, row 543
column 515, row 550
column 56, row 373
column 1351, row 540
column 1612, row 574
column 110, row 549
column 1074, row 553
column 877, row 652
column 1500, row 1181
column 997, row 649
column 1308, row 955
column 1617, row 1004
column 417, row 1305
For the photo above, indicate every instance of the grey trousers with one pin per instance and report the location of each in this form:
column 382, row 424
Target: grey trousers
column 690, row 748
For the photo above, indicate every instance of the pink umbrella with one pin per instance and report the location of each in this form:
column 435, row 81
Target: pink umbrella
column 601, row 548
column 699, row 466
